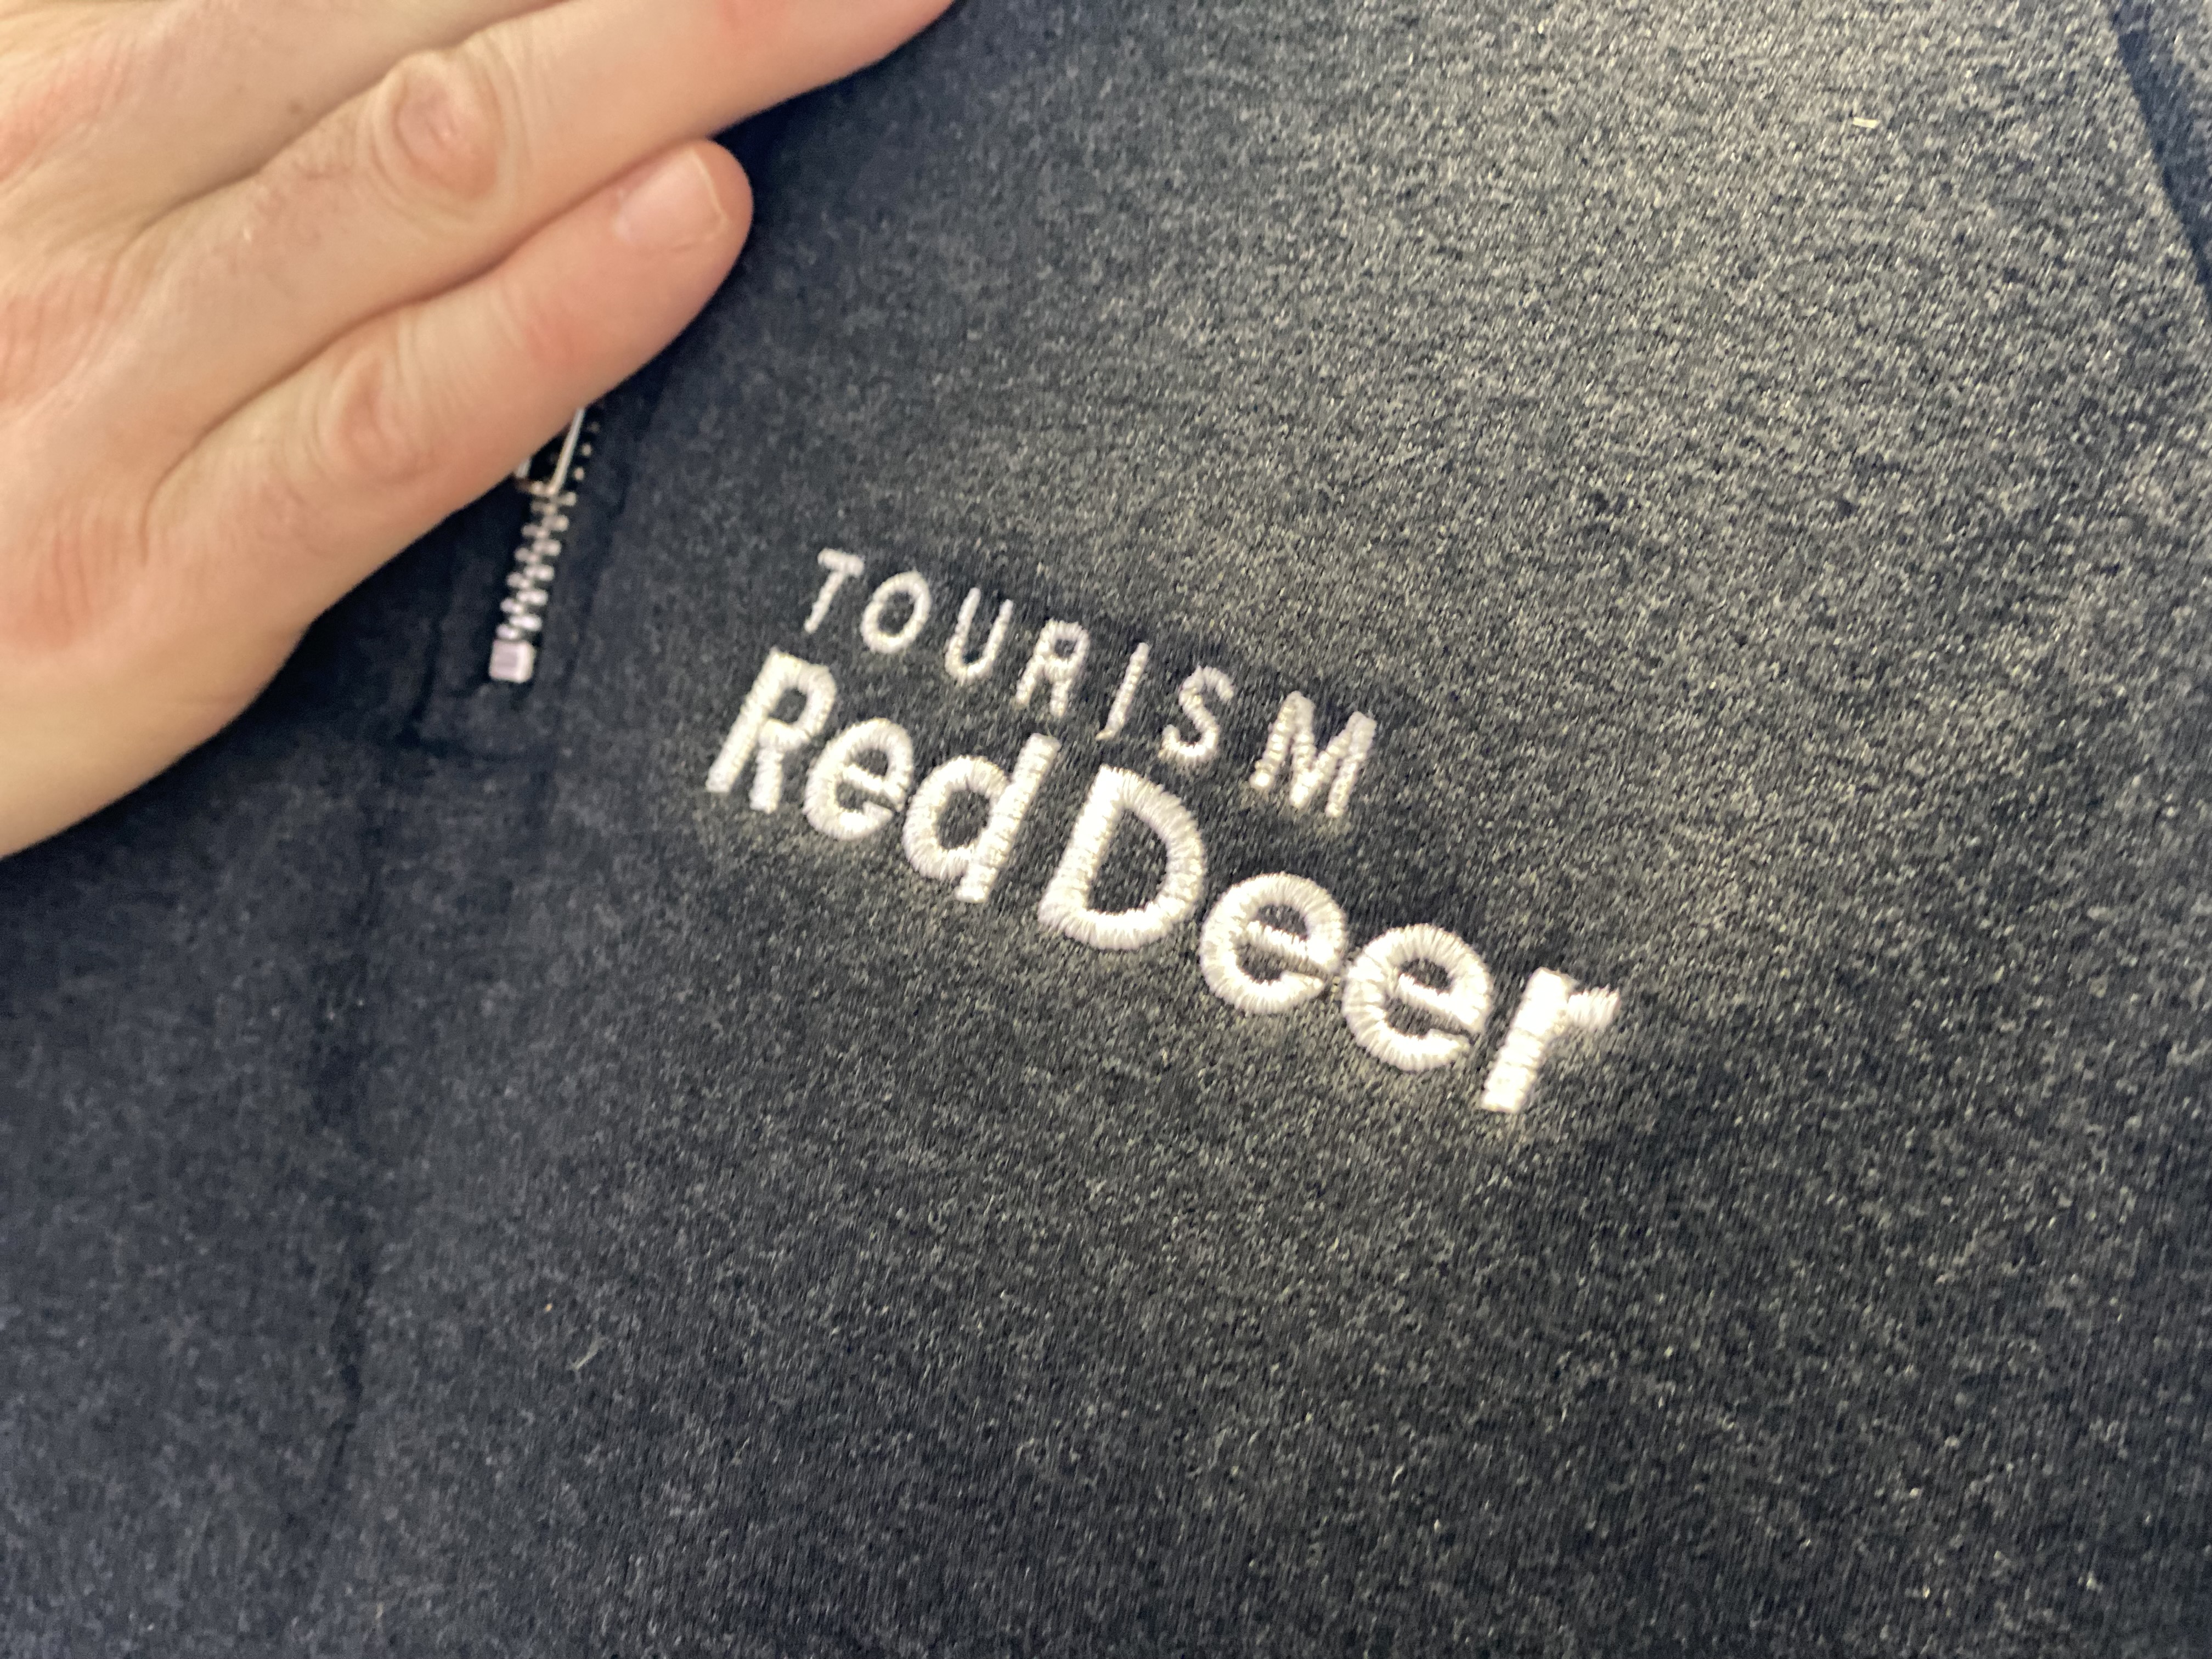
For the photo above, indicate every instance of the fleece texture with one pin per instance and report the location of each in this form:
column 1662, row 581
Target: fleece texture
column 470, row 1188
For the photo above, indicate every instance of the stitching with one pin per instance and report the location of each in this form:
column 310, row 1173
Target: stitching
column 1294, row 762
column 882, row 792
column 967, row 673
column 997, row 839
column 1270, row 944
column 1131, row 676
column 976, row 863
column 842, row 567
column 1066, row 907
column 1193, row 754
column 910, row 585
column 1378, row 978
column 1304, row 961
column 1551, row 1008
column 1049, row 662
column 754, row 732
column 1312, row 769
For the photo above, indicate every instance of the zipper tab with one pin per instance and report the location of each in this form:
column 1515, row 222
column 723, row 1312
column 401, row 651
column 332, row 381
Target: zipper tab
column 514, row 642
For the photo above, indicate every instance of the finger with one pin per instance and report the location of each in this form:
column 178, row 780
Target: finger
column 455, row 155
column 167, row 99
column 250, row 77
column 322, row 478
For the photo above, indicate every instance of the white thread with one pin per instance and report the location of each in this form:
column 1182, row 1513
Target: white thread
column 757, row 734
column 1056, row 660
column 976, row 864
column 966, row 775
column 1551, row 1008
column 1066, row 907
column 1303, row 961
column 910, row 586
column 1131, row 676
column 842, row 567
column 967, row 673
column 1193, row 754
column 1378, row 977
column 1313, row 768
column 882, row 791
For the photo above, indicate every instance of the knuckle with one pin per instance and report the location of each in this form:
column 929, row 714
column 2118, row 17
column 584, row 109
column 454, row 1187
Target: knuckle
column 67, row 593
column 48, row 321
column 57, row 88
column 371, row 435
column 440, row 126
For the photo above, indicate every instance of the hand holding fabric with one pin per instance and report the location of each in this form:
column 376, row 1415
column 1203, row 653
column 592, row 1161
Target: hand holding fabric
column 284, row 282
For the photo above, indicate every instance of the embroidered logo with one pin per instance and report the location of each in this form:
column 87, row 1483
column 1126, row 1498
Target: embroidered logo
column 1417, row 998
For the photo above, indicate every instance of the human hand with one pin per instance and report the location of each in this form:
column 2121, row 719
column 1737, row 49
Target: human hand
column 284, row 282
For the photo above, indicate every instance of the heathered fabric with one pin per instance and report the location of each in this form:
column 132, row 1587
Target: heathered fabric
column 471, row 1189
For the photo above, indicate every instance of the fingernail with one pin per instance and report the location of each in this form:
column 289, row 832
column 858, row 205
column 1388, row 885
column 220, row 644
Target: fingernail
column 671, row 205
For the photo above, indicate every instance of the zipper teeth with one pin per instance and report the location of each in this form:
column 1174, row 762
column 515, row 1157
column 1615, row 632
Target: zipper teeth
column 529, row 584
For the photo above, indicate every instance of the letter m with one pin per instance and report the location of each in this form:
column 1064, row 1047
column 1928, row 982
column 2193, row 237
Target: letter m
column 1292, row 743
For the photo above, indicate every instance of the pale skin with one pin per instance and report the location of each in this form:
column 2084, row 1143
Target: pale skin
column 282, row 283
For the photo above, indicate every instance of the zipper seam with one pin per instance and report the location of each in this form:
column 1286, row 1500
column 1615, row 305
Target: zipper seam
column 517, row 638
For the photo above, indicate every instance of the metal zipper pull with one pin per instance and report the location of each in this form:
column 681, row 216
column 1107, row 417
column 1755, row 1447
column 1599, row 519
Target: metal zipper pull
column 514, row 642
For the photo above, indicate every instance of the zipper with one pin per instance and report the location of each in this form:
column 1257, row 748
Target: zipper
column 552, row 492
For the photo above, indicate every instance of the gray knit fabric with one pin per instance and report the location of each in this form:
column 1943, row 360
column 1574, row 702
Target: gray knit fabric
column 481, row 1190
